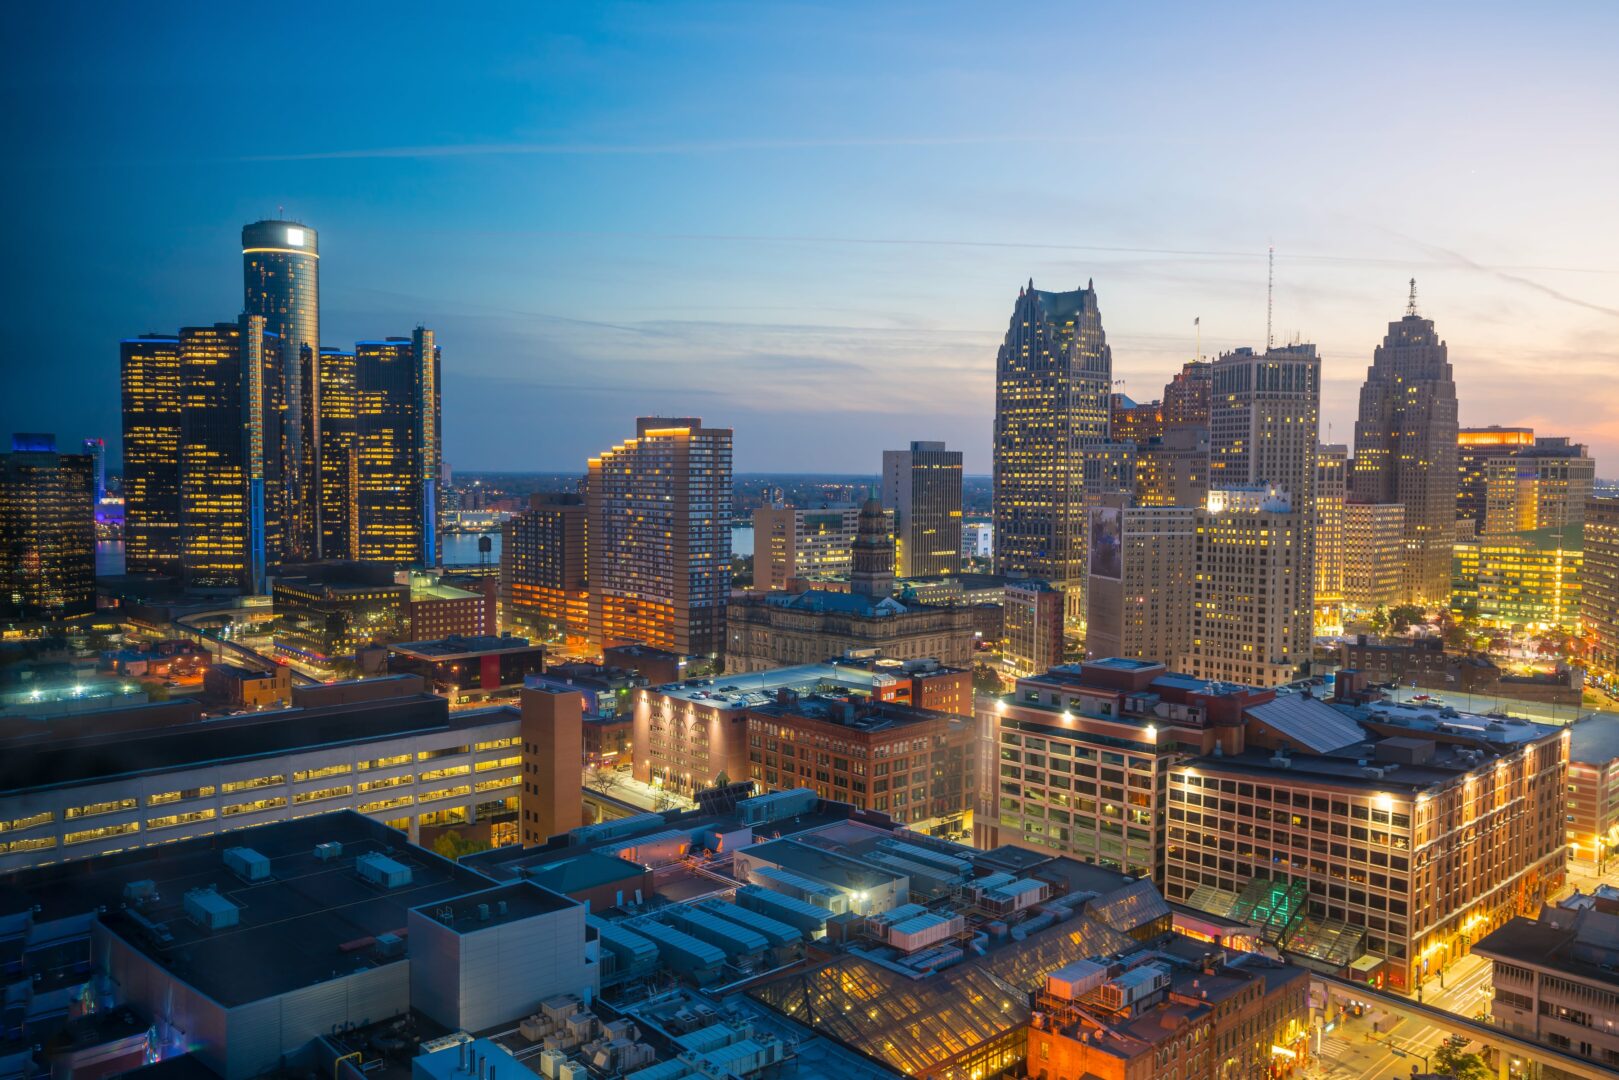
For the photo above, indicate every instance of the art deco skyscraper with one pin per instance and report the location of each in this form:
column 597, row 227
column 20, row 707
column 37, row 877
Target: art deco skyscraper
column 1405, row 449
column 47, row 530
column 872, row 554
column 229, row 485
column 150, row 367
column 659, row 528
column 923, row 486
column 1053, row 386
column 281, row 283
column 399, row 455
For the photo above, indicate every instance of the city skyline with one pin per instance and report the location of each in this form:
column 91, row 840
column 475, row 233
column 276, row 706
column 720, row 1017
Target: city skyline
column 641, row 225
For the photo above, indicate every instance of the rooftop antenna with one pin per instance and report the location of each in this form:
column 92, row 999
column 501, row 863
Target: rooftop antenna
column 281, row 212
column 1270, row 293
column 1411, row 303
column 1197, row 324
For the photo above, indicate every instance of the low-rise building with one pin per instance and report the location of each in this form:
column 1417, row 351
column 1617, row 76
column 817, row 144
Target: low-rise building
column 783, row 629
column 927, row 684
column 1554, row 980
column 913, row 764
column 469, row 668
column 242, row 949
column 1593, row 790
column 693, row 734
column 247, row 688
column 96, row 788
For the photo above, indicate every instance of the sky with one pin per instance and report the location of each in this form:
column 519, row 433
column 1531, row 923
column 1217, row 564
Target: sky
column 809, row 222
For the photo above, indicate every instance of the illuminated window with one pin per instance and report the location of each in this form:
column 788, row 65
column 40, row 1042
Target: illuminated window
column 97, row 834
column 92, row 809
column 248, row 785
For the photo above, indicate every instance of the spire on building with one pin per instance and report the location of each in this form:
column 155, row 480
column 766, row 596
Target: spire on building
column 1411, row 302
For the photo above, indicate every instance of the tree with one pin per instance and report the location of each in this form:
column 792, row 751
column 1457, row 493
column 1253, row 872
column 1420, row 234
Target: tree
column 1379, row 620
column 452, row 845
column 1451, row 1060
column 986, row 680
column 1404, row 616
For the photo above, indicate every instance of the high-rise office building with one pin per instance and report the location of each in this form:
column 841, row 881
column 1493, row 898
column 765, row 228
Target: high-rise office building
column 923, row 486
column 1252, row 620
column 1474, row 448
column 1032, row 618
column 793, row 543
column 150, row 375
column 399, row 452
column 1135, row 421
column 1173, row 469
column 1405, row 448
column 1599, row 602
column 97, row 451
column 1263, row 423
column 281, row 283
column 339, row 453
column 229, row 478
column 1054, row 375
column 659, row 523
column 47, row 530
column 1138, row 602
column 1373, row 543
column 1186, row 396
column 1543, row 486
column 1331, row 490
column 542, row 570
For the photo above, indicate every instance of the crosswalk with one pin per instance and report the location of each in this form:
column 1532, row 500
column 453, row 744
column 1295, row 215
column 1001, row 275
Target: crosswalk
column 1334, row 1049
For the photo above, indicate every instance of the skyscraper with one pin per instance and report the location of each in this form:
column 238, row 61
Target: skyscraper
column 1599, row 610
column 339, row 454
column 1054, row 375
column 150, row 367
column 1405, row 448
column 923, row 486
column 1475, row 447
column 97, row 451
column 47, row 530
column 229, row 481
column 399, row 455
column 542, row 569
column 1263, row 424
column 1373, row 542
column 1331, row 491
column 659, row 521
column 1251, row 614
column 1139, row 603
column 281, row 283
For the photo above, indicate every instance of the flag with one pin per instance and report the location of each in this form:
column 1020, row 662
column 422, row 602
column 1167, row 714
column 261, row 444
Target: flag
column 1198, row 321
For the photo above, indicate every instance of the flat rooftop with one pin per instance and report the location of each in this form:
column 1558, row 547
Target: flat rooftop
column 1594, row 740
column 759, row 687
column 90, row 758
column 1443, row 719
column 495, row 907
column 868, row 717
column 293, row 927
column 819, row 864
column 462, row 648
column 1342, row 769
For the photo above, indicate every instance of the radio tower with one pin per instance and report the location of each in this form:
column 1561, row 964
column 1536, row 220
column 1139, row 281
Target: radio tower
column 1270, row 292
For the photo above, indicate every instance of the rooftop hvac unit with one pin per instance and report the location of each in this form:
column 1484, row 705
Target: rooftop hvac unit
column 247, row 864
column 328, row 851
column 1133, row 986
column 1075, row 980
column 381, row 870
column 211, row 911
column 776, row 806
column 550, row 1061
column 571, row 1070
column 389, row 946
column 139, row 892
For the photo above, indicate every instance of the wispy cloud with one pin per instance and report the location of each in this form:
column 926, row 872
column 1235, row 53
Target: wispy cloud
column 1506, row 274
column 692, row 146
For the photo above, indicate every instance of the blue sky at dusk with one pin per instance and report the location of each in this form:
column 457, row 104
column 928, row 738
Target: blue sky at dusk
column 809, row 222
